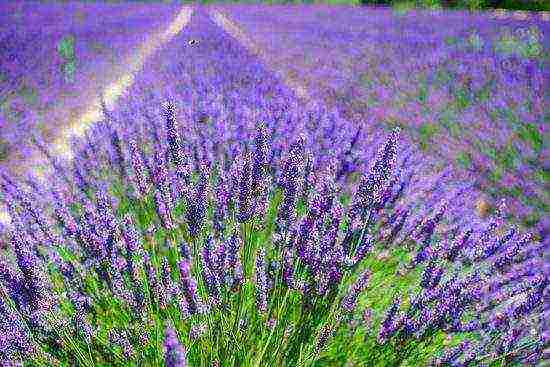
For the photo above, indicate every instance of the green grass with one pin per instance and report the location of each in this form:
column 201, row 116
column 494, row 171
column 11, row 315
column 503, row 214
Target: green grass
column 427, row 131
column 530, row 134
column 464, row 159
column 29, row 94
column 508, row 157
column 4, row 149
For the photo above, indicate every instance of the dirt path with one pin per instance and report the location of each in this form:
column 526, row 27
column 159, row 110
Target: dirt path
column 236, row 32
column 113, row 91
column 123, row 79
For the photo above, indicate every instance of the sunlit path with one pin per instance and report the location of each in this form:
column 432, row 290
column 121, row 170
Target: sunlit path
column 236, row 32
column 115, row 90
column 132, row 65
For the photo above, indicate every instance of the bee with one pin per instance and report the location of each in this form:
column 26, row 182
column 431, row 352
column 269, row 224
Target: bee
column 482, row 207
column 193, row 42
column 203, row 118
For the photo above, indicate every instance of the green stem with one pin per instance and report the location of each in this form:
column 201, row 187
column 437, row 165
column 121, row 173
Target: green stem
column 259, row 359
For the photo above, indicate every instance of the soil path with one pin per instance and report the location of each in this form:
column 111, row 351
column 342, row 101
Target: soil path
column 123, row 78
column 113, row 91
column 236, row 32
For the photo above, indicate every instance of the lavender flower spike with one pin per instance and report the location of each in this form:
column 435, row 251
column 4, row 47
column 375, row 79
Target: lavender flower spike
column 174, row 352
column 261, row 281
column 350, row 300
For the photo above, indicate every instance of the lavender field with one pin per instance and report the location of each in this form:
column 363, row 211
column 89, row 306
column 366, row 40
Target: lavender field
column 278, row 186
column 466, row 88
column 54, row 59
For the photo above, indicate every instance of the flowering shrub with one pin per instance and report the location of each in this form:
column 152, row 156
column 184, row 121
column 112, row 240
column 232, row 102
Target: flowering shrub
column 280, row 236
column 243, row 266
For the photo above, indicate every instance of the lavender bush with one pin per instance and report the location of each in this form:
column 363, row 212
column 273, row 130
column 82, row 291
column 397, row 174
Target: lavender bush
column 211, row 220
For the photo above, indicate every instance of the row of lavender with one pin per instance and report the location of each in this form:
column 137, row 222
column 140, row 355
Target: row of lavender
column 467, row 88
column 35, row 94
column 249, row 242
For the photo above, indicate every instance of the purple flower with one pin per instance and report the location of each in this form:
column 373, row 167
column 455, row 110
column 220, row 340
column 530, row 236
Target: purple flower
column 364, row 247
column 532, row 300
column 189, row 285
column 511, row 252
column 396, row 222
column 222, row 198
column 426, row 228
column 260, row 164
column 160, row 173
column 66, row 268
column 373, row 183
column 105, row 209
column 163, row 211
column 184, row 250
column 261, row 281
column 431, row 276
column 120, row 339
column 155, row 287
column 197, row 331
column 324, row 335
column 458, row 245
column 350, row 300
column 140, row 179
column 509, row 339
column 308, row 176
column 451, row 355
column 37, row 282
column 174, row 353
column 289, row 182
column 387, row 327
column 133, row 247
column 14, row 338
column 288, row 268
column 196, row 202
column 245, row 189
column 208, row 271
column 64, row 216
column 116, row 143
column 484, row 252
column 174, row 143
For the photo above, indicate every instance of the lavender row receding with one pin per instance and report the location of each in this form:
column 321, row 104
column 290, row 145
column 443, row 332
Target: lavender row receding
column 36, row 96
column 466, row 88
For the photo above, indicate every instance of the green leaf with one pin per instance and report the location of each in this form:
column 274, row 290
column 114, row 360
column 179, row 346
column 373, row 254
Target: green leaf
column 496, row 175
column 543, row 175
column 427, row 131
column 530, row 134
column 4, row 150
column 462, row 99
column 422, row 92
column 464, row 159
column 69, row 70
column 508, row 156
column 65, row 48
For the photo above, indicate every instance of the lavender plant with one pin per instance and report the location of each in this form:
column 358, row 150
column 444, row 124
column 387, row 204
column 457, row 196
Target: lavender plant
column 40, row 51
column 105, row 292
column 219, row 234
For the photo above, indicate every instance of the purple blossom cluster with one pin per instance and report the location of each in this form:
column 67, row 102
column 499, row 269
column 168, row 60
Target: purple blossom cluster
column 243, row 212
